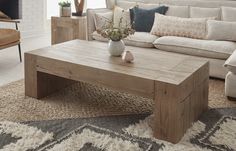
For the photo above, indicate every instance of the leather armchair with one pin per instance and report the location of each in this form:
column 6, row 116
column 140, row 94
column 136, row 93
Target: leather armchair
column 10, row 37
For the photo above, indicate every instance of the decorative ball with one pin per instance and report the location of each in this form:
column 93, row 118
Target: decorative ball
column 127, row 57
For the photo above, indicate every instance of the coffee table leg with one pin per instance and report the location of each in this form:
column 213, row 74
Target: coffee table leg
column 177, row 107
column 39, row 84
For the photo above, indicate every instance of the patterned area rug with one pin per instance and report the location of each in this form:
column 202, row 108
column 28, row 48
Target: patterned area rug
column 215, row 131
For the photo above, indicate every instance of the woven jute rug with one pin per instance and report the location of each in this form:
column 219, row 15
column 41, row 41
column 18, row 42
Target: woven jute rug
column 84, row 100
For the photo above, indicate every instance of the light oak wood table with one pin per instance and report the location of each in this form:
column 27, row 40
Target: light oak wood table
column 178, row 84
column 68, row 28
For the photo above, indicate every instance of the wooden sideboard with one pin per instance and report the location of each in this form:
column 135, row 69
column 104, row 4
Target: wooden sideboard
column 68, row 28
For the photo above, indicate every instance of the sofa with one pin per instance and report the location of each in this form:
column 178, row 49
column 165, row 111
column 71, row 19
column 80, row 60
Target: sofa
column 215, row 51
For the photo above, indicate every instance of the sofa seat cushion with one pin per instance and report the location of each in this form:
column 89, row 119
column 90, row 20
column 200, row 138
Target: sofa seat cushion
column 230, row 63
column 196, row 47
column 8, row 36
column 139, row 39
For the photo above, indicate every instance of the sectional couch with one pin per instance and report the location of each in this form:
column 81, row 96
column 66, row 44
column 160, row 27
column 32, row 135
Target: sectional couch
column 216, row 52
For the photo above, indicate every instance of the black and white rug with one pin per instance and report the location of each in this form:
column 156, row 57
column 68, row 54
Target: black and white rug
column 215, row 131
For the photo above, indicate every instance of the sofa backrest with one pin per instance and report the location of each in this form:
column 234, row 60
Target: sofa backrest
column 195, row 3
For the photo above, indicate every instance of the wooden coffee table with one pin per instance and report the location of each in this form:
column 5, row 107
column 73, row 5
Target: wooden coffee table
column 178, row 84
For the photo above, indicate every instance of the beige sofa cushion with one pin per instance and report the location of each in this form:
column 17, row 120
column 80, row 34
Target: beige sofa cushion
column 178, row 11
column 230, row 63
column 200, row 12
column 221, row 30
column 139, row 39
column 127, row 5
column 9, row 36
column 196, row 47
column 228, row 14
column 177, row 26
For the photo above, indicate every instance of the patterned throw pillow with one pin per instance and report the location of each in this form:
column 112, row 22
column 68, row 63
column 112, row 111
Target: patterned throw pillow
column 4, row 16
column 121, row 17
column 182, row 27
column 102, row 20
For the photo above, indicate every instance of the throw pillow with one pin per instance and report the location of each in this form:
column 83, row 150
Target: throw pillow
column 143, row 18
column 102, row 20
column 177, row 26
column 221, row 30
column 199, row 12
column 3, row 16
column 228, row 14
column 121, row 17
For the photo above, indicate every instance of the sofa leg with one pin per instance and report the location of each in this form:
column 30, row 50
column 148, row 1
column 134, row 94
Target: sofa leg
column 19, row 47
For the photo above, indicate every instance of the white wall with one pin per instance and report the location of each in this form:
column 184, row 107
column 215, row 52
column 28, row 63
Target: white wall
column 33, row 17
column 33, row 22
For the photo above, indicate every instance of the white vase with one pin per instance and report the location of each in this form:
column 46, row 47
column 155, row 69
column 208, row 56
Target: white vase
column 116, row 48
column 65, row 11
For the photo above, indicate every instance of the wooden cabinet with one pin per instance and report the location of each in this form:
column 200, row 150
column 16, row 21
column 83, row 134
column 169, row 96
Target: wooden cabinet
column 68, row 28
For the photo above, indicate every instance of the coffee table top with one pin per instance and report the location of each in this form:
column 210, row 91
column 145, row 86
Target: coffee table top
column 149, row 64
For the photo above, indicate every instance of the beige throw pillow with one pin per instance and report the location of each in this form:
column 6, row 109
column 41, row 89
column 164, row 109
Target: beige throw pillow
column 118, row 14
column 177, row 26
column 229, row 14
column 199, row 12
column 102, row 20
column 3, row 16
column 221, row 30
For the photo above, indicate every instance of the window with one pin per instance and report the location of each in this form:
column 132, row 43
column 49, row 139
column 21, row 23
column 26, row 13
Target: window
column 53, row 9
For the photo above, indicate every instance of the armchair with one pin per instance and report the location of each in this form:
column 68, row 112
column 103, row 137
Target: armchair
column 10, row 37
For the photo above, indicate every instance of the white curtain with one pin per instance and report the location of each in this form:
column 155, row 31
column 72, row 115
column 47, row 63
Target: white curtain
column 53, row 9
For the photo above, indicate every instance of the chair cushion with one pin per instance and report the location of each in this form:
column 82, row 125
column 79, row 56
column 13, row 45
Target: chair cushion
column 139, row 39
column 8, row 36
column 230, row 63
column 196, row 47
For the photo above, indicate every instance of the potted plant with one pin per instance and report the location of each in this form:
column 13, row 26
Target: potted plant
column 116, row 35
column 65, row 8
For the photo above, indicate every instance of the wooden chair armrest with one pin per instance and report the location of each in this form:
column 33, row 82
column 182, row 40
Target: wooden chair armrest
column 9, row 21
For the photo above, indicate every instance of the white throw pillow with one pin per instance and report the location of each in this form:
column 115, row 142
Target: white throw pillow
column 221, row 30
column 229, row 14
column 102, row 20
column 177, row 26
column 200, row 12
column 178, row 11
column 121, row 13
column 230, row 63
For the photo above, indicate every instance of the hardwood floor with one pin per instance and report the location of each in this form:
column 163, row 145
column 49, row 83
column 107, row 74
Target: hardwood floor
column 10, row 67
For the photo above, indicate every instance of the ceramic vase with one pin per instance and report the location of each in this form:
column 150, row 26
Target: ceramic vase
column 116, row 48
column 65, row 11
column 127, row 57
